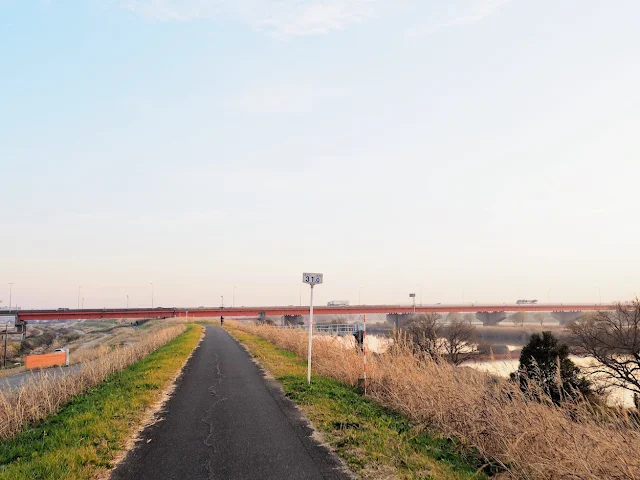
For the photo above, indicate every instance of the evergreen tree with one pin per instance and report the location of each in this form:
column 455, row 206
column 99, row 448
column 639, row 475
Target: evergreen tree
column 542, row 359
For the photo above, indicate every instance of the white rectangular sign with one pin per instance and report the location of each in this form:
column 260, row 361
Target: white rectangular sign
column 312, row 278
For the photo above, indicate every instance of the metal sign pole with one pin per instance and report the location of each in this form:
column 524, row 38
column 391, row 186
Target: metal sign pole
column 311, row 279
column 310, row 336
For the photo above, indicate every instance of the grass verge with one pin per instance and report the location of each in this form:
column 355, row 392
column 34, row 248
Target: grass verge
column 83, row 438
column 374, row 442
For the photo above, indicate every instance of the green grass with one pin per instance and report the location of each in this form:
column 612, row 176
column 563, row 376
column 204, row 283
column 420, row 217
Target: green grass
column 83, row 438
column 375, row 442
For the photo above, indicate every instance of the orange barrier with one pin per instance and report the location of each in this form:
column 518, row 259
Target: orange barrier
column 45, row 360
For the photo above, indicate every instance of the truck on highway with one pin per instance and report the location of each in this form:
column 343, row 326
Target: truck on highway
column 338, row 303
column 526, row 302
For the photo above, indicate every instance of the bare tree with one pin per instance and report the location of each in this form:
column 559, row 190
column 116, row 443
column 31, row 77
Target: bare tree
column 422, row 333
column 519, row 318
column 452, row 338
column 613, row 339
column 460, row 338
column 539, row 318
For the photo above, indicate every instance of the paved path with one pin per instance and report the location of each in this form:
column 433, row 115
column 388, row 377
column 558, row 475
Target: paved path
column 226, row 421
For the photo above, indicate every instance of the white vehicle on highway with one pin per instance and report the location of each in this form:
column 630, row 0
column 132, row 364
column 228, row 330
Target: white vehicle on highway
column 338, row 303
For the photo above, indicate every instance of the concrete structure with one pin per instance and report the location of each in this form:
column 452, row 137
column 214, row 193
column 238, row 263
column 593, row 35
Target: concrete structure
column 489, row 319
column 566, row 317
column 398, row 319
column 263, row 312
column 292, row 319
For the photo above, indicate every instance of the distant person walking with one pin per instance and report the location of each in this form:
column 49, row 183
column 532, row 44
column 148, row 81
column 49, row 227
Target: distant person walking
column 221, row 320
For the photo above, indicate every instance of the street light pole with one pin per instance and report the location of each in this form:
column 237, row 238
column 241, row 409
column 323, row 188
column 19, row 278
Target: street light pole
column 10, row 293
column 600, row 295
column 222, row 301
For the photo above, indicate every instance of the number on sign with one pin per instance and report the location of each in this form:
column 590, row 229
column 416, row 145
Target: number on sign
column 312, row 278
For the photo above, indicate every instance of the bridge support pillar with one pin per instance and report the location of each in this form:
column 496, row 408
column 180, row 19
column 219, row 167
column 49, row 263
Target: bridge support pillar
column 489, row 319
column 291, row 319
column 399, row 320
column 566, row 317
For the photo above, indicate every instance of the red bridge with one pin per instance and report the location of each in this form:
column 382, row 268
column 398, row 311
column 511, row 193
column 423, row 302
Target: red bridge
column 203, row 312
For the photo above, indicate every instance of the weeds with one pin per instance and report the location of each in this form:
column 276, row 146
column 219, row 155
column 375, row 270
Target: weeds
column 36, row 400
column 528, row 439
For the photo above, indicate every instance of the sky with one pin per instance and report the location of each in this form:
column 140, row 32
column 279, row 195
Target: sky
column 465, row 150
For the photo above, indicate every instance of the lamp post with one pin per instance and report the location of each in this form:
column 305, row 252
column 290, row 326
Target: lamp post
column 221, row 301
column 10, row 293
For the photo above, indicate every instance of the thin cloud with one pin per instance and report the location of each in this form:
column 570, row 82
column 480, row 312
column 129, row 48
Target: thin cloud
column 282, row 18
column 478, row 11
column 284, row 98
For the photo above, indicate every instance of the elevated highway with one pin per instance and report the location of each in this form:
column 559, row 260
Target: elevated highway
column 292, row 311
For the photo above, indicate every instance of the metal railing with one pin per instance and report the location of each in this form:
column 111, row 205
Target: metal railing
column 340, row 329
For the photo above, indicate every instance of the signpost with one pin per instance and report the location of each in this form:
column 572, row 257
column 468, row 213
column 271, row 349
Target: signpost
column 312, row 279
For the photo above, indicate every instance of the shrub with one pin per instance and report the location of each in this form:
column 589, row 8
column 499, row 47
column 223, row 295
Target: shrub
column 546, row 362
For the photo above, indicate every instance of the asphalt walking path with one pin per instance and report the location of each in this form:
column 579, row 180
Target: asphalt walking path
column 225, row 420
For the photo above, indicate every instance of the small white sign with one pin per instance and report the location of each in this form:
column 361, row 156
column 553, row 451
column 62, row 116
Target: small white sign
column 312, row 278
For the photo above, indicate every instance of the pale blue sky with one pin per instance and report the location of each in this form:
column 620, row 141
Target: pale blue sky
column 490, row 146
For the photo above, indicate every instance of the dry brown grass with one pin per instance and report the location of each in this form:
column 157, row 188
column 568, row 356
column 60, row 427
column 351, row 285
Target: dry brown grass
column 528, row 439
column 38, row 399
